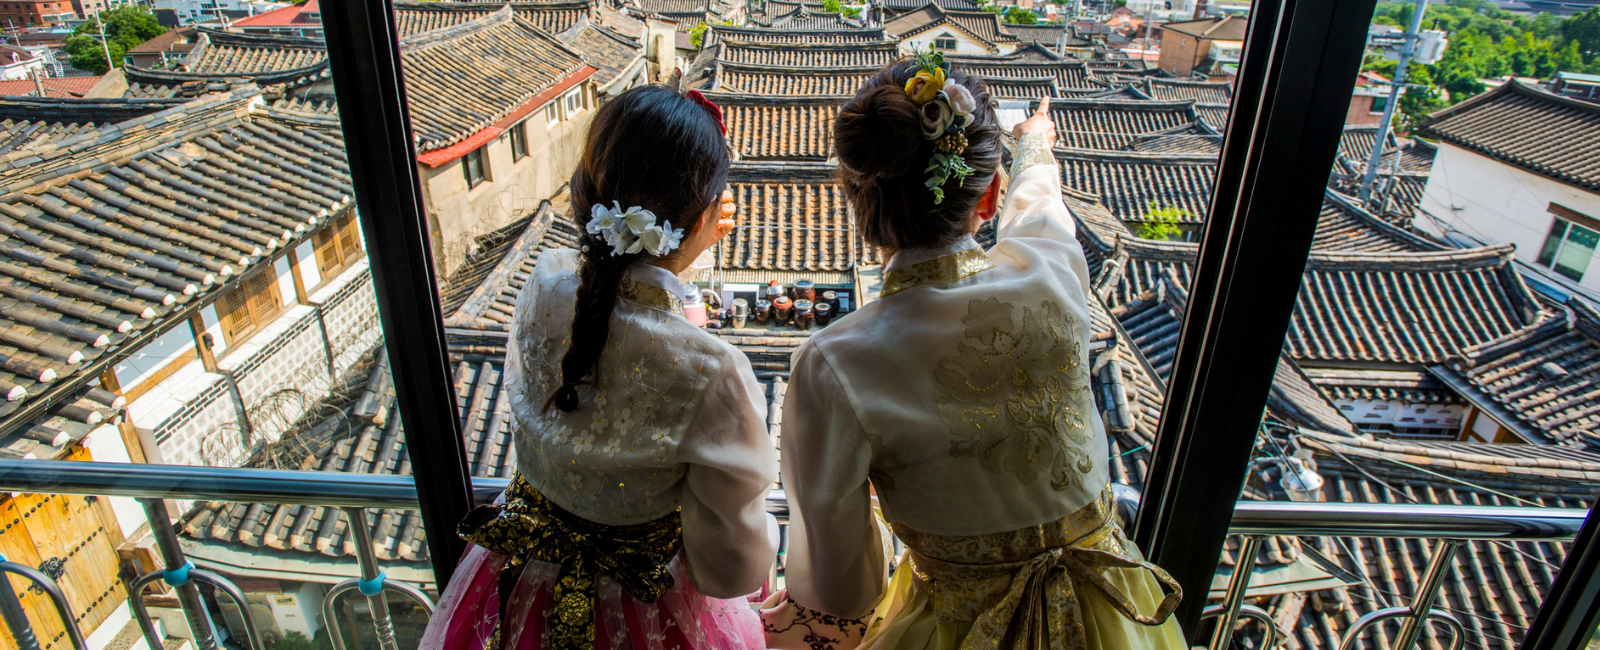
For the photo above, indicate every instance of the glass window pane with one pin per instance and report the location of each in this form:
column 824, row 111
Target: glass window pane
column 1424, row 335
column 1575, row 255
column 1552, row 243
column 199, row 296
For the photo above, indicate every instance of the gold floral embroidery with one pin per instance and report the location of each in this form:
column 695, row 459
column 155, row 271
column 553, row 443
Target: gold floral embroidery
column 939, row 270
column 1024, row 583
column 1017, row 397
column 651, row 296
column 529, row 527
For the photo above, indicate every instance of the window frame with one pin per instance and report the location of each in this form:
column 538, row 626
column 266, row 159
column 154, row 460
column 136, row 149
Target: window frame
column 249, row 298
column 517, row 139
column 1292, row 92
column 1569, row 223
column 938, row 42
column 475, row 160
column 552, row 114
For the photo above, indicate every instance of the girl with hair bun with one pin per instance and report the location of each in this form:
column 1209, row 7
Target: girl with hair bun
column 960, row 400
column 636, row 518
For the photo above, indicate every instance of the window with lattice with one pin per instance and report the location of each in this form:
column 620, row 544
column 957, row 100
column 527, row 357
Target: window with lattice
column 249, row 306
column 337, row 245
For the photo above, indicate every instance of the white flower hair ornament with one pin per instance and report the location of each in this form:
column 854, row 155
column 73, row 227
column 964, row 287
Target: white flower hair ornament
column 635, row 230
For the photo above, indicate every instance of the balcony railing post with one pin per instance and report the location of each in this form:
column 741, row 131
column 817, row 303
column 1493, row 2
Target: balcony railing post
column 372, row 579
column 203, row 632
column 1238, row 583
column 16, row 618
column 1444, row 554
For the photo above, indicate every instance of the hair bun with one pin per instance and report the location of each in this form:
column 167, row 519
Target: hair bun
column 879, row 133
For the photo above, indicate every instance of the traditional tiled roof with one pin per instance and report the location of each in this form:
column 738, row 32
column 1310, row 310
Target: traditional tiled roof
column 1541, row 381
column 27, row 122
column 552, row 17
column 482, row 293
column 1410, row 386
column 808, row 55
column 1528, row 127
column 1344, row 225
column 1215, row 115
column 1050, row 36
column 1112, row 125
column 1205, row 92
column 910, row 5
column 1396, row 310
column 1021, row 87
column 779, row 128
column 980, row 26
column 53, row 86
column 773, row 81
column 715, row 33
column 1131, row 184
column 222, row 59
column 1071, row 77
column 465, row 77
column 109, row 235
column 603, row 49
column 816, row 21
column 222, row 52
column 793, row 217
column 1196, row 138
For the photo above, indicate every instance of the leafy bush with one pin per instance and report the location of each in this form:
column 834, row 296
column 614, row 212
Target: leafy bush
column 1161, row 223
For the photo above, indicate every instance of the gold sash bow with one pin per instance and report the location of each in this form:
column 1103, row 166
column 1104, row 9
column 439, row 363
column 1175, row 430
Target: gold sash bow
column 1031, row 603
column 528, row 527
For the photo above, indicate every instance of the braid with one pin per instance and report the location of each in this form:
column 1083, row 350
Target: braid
column 599, row 280
column 648, row 147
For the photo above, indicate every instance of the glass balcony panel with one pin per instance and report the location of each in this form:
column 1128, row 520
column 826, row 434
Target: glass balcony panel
column 188, row 284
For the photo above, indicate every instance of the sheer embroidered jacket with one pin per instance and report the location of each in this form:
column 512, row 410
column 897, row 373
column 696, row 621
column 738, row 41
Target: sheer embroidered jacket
column 962, row 394
column 676, row 421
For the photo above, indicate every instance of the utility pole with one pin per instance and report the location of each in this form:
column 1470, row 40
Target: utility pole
column 103, row 44
column 1396, row 85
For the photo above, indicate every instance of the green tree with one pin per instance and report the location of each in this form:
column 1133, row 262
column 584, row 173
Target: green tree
column 1019, row 16
column 1161, row 223
column 697, row 35
column 125, row 27
column 1584, row 29
column 298, row 641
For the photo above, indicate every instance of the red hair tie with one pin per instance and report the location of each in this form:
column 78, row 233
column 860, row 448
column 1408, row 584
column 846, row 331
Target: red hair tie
column 713, row 109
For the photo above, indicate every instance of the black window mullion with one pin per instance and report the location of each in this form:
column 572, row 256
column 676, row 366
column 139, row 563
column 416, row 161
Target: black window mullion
column 364, row 52
column 1571, row 609
column 1299, row 63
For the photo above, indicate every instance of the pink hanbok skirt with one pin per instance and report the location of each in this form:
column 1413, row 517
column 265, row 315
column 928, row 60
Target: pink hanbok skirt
column 683, row 619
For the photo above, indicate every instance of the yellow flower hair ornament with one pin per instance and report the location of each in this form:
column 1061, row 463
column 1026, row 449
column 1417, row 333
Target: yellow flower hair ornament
column 947, row 109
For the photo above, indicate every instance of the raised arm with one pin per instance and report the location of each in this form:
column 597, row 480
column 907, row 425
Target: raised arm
column 1033, row 207
column 835, row 562
column 728, row 537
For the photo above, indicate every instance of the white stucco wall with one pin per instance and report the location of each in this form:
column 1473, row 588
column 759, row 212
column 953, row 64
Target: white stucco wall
column 1472, row 199
column 458, row 214
column 964, row 45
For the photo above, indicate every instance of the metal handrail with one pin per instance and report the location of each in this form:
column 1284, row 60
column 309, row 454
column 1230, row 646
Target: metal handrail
column 353, row 493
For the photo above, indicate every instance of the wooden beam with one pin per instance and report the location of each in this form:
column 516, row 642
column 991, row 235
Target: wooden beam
column 202, row 342
column 300, row 295
column 130, row 436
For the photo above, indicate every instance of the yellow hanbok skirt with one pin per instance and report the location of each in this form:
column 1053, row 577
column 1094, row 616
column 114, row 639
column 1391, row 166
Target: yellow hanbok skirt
column 1069, row 584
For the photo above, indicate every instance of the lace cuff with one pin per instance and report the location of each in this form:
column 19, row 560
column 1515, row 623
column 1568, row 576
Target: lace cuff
column 1032, row 149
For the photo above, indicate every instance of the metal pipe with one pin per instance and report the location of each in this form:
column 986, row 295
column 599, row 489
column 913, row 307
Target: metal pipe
column 142, row 613
column 372, row 581
column 1233, row 598
column 15, row 617
column 1427, row 592
column 201, row 629
column 236, row 595
column 51, row 591
column 1268, row 518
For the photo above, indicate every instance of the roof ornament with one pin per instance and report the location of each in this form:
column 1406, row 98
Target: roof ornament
column 947, row 109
